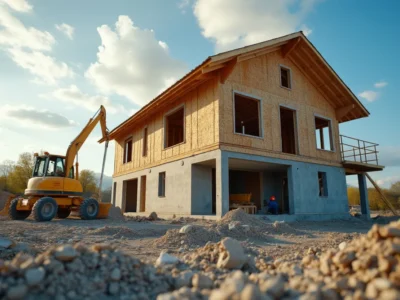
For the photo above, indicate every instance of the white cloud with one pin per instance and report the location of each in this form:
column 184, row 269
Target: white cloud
column 68, row 30
column 236, row 23
column 388, row 181
column 73, row 95
column 13, row 33
column 380, row 84
column 370, row 96
column 18, row 5
column 132, row 62
column 29, row 116
column 183, row 4
column 307, row 31
column 46, row 68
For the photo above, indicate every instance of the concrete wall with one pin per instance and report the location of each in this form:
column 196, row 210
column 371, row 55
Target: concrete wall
column 178, row 190
column 303, row 185
column 201, row 190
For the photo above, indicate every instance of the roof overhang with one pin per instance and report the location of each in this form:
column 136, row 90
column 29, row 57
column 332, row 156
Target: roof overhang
column 295, row 47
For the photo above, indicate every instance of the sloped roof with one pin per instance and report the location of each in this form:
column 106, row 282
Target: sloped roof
column 294, row 46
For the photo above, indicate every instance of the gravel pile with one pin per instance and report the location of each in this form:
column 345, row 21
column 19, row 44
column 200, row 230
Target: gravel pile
column 194, row 236
column 77, row 272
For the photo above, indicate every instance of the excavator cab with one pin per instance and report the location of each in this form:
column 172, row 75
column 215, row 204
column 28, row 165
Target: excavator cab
column 49, row 165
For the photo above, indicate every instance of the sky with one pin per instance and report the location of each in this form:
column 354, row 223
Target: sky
column 61, row 60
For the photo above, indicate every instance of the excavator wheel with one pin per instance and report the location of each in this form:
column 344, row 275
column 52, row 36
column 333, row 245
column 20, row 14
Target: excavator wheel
column 45, row 209
column 89, row 209
column 15, row 214
column 63, row 213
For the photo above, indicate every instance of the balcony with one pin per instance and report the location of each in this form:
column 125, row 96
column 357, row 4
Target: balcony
column 359, row 156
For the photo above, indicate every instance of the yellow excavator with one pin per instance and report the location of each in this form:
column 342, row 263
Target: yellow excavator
column 54, row 189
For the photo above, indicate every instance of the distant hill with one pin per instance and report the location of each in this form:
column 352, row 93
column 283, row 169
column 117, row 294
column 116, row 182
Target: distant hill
column 107, row 181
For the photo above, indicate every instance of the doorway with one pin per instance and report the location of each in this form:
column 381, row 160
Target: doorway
column 131, row 187
column 143, row 193
column 288, row 130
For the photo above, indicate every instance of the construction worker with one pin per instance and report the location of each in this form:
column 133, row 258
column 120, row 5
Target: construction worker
column 273, row 206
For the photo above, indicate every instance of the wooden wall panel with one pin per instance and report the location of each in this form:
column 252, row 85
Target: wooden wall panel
column 260, row 77
column 201, row 131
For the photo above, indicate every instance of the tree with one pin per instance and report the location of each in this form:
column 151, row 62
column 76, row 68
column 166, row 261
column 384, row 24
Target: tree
column 353, row 194
column 395, row 189
column 18, row 177
column 88, row 181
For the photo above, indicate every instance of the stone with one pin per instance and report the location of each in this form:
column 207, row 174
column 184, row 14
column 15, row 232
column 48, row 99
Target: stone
column 17, row 292
column 5, row 243
column 274, row 286
column 233, row 225
column 35, row 276
column 166, row 259
column 381, row 284
column 115, row 274
column 232, row 255
column 186, row 229
column 246, row 228
column 153, row 216
column 113, row 288
column 391, row 294
column 201, row 281
column 184, row 279
column 252, row 292
column 342, row 245
column 65, row 253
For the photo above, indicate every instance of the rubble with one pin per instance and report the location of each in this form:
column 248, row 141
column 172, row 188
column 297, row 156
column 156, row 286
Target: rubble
column 231, row 255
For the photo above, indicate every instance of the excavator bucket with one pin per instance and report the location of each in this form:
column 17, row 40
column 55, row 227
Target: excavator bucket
column 103, row 210
column 4, row 211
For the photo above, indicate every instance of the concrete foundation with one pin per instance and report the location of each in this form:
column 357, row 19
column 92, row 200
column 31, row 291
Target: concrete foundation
column 199, row 185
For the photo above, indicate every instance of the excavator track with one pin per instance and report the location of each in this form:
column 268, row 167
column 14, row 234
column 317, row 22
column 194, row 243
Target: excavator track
column 4, row 211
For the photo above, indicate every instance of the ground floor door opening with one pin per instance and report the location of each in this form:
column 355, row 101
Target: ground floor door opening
column 131, row 188
column 143, row 193
column 253, row 184
column 203, row 200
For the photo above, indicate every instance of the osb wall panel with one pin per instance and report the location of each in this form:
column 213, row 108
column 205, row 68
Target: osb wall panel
column 201, row 131
column 260, row 77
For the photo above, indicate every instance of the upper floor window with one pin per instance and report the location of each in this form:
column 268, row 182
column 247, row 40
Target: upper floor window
column 286, row 78
column 128, row 150
column 174, row 128
column 144, row 152
column 323, row 134
column 247, row 115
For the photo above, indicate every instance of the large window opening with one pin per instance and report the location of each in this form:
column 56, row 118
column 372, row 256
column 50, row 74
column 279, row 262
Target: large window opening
column 247, row 115
column 288, row 130
column 144, row 153
column 174, row 128
column 161, row 184
column 323, row 186
column 323, row 134
column 128, row 151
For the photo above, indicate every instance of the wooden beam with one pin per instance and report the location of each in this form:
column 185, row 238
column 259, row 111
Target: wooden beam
column 212, row 68
column 290, row 46
column 257, row 53
column 343, row 111
column 227, row 70
column 383, row 197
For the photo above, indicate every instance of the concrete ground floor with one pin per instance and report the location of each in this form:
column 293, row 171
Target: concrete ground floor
column 201, row 185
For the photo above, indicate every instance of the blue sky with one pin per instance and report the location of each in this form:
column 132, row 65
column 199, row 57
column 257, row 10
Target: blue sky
column 53, row 75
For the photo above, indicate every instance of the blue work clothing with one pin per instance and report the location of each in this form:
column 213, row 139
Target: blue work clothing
column 273, row 207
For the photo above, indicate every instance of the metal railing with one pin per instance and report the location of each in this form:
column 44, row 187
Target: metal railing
column 357, row 150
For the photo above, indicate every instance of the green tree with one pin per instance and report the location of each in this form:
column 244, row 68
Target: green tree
column 18, row 177
column 88, row 181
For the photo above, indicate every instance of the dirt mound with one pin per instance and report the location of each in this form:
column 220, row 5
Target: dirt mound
column 196, row 236
column 242, row 217
column 115, row 214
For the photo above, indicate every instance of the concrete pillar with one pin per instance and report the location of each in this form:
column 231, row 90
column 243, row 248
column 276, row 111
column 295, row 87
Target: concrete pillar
column 362, row 185
column 290, row 183
column 222, row 184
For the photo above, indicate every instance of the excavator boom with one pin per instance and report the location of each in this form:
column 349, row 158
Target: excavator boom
column 76, row 144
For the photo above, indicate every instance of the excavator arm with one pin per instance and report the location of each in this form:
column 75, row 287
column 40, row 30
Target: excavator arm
column 76, row 144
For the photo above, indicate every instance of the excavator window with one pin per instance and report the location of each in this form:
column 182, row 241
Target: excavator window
column 40, row 165
column 56, row 167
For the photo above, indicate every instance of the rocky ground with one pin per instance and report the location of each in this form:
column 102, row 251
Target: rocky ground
column 238, row 257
